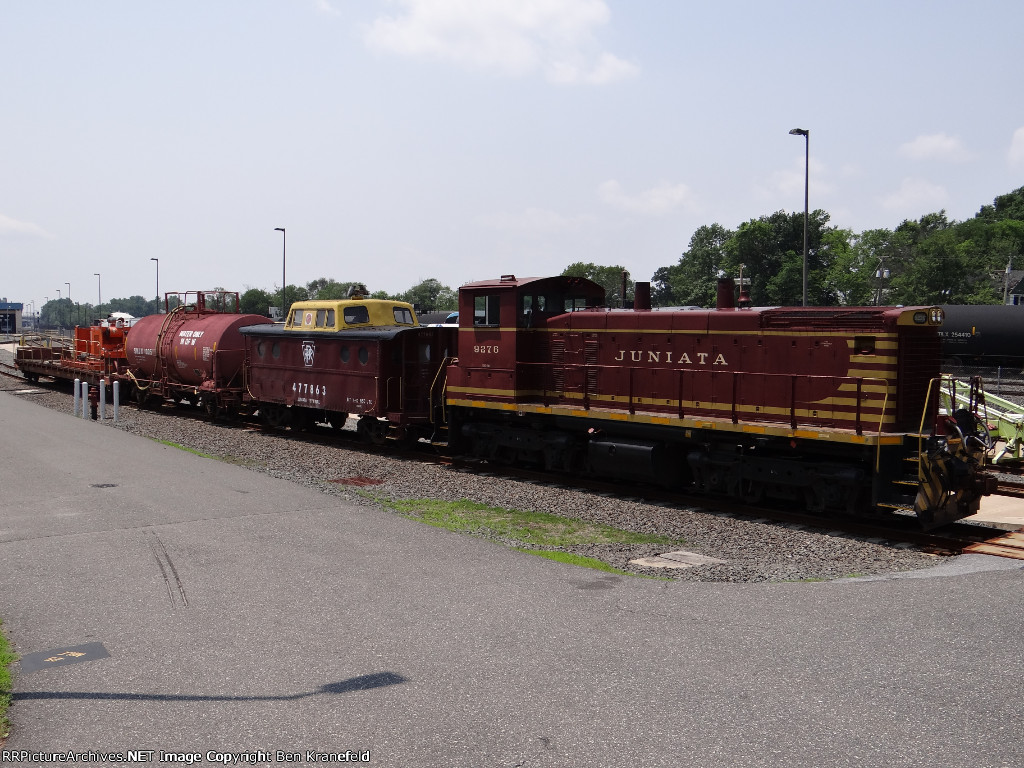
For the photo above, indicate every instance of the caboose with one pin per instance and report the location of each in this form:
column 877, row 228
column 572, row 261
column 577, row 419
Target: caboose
column 358, row 356
column 830, row 408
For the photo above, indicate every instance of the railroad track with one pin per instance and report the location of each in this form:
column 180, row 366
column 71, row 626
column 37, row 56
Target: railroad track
column 949, row 540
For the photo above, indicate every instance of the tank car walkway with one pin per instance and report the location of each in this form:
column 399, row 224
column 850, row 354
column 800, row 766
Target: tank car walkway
column 218, row 610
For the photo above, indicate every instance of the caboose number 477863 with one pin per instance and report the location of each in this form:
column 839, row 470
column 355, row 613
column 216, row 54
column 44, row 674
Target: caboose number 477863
column 831, row 408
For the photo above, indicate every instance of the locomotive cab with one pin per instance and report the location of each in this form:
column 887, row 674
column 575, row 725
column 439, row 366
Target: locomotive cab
column 503, row 331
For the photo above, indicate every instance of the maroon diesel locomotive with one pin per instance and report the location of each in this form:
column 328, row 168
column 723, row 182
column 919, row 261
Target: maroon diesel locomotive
column 833, row 408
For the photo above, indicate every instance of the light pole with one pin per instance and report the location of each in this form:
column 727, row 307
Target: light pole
column 99, row 292
column 807, row 158
column 69, row 302
column 60, row 314
column 284, row 258
column 46, row 300
column 157, row 283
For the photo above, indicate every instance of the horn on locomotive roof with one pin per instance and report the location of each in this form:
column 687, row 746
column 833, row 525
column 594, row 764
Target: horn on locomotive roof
column 357, row 291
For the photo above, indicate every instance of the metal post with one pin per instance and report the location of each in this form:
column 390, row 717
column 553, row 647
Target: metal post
column 117, row 399
column 103, row 399
column 78, row 391
column 157, row 283
column 807, row 175
column 85, row 399
column 284, row 280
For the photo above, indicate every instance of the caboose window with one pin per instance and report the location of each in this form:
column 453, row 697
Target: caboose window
column 363, row 355
column 321, row 318
column 356, row 315
column 486, row 310
column 330, row 318
column 297, row 317
column 403, row 316
column 344, row 353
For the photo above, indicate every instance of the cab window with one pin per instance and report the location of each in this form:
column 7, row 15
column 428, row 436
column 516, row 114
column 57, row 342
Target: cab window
column 403, row 316
column 486, row 310
column 357, row 314
column 321, row 318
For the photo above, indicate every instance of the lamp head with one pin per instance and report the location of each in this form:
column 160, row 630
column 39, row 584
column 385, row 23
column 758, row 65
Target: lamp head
column 799, row 132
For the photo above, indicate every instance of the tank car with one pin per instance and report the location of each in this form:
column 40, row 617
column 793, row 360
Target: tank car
column 194, row 351
column 835, row 409
column 359, row 356
column 983, row 335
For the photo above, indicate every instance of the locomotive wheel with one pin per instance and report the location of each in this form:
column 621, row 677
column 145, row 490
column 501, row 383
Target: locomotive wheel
column 32, row 378
column 337, row 421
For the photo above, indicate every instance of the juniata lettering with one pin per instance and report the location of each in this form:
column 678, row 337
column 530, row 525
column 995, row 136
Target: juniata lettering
column 637, row 356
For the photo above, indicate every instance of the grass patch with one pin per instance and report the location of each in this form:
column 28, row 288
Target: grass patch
column 7, row 657
column 571, row 559
column 180, row 447
column 538, row 529
column 236, row 460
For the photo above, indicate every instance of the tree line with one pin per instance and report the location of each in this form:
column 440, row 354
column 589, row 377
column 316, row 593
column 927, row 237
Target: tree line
column 929, row 261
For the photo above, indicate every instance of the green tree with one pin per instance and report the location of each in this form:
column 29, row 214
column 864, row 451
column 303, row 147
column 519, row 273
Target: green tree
column 609, row 278
column 771, row 250
column 693, row 281
column 256, row 301
column 431, row 296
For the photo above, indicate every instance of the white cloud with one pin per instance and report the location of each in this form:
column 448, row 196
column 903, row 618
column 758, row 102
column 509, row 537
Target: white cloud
column 324, row 6
column 1017, row 147
column 935, row 146
column 656, row 201
column 514, row 37
column 916, row 195
column 13, row 228
column 788, row 184
column 536, row 221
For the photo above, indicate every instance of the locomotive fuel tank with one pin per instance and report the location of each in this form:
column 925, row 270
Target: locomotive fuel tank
column 190, row 346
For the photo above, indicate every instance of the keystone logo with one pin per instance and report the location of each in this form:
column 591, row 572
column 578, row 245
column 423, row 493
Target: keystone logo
column 307, row 353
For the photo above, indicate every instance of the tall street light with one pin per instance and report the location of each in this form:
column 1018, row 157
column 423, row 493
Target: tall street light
column 157, row 283
column 99, row 289
column 807, row 157
column 69, row 302
column 284, row 257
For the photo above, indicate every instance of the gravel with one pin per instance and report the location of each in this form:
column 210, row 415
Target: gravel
column 753, row 550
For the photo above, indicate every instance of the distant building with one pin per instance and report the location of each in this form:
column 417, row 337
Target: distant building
column 10, row 317
column 1014, row 286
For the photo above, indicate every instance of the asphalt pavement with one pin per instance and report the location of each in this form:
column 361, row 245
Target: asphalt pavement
column 217, row 610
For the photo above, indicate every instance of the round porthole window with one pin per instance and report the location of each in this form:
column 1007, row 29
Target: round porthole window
column 276, row 350
column 344, row 354
column 259, row 349
column 363, row 355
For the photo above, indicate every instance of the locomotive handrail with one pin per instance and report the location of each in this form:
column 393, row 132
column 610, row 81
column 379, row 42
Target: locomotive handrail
column 434, row 400
column 734, row 412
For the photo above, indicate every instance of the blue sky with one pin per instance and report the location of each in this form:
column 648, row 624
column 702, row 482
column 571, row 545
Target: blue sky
column 399, row 140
